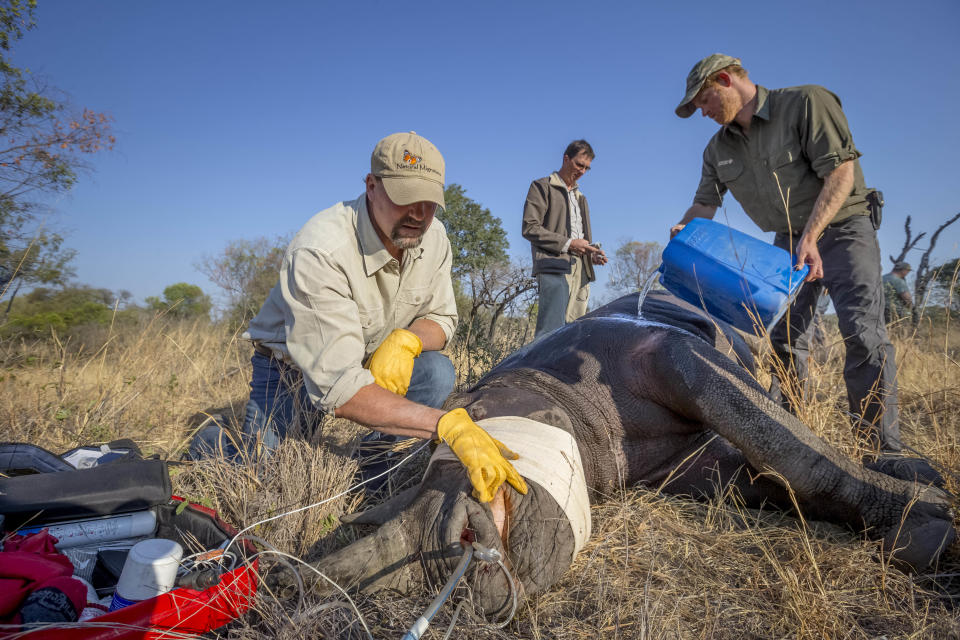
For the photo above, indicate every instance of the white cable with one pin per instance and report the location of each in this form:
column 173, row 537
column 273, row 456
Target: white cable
column 242, row 533
column 300, row 588
column 490, row 556
column 420, row 625
column 274, row 550
column 317, row 504
column 319, row 573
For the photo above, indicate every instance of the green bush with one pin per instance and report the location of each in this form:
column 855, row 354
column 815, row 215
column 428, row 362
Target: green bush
column 44, row 311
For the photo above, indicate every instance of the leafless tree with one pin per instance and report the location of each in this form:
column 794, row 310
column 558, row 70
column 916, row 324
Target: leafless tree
column 246, row 270
column 632, row 265
column 494, row 292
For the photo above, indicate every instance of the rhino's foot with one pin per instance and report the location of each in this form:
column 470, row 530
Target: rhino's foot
column 914, row 548
column 920, row 529
column 909, row 469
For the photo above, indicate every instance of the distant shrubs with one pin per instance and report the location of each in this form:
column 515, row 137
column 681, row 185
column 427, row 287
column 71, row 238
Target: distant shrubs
column 43, row 311
column 182, row 300
column 80, row 311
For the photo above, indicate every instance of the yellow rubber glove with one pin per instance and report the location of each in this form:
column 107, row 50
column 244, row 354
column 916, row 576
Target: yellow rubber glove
column 392, row 363
column 483, row 456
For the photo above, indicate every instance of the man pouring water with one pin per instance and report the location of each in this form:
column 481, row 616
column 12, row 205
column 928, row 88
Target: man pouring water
column 788, row 157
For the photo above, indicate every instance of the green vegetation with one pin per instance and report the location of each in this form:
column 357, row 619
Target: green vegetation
column 182, row 300
column 43, row 311
column 495, row 296
column 42, row 144
column 477, row 237
column 947, row 278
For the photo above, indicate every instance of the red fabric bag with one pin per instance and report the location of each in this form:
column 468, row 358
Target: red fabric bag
column 30, row 563
column 180, row 611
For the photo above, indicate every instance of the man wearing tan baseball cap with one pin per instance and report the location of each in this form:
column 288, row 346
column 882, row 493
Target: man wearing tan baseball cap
column 355, row 325
column 787, row 156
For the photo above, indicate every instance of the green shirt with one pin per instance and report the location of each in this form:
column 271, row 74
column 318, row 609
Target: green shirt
column 893, row 288
column 797, row 137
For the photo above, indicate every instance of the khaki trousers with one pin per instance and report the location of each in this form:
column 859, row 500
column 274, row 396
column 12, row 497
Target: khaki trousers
column 563, row 297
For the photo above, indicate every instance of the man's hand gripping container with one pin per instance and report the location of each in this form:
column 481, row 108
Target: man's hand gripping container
column 735, row 277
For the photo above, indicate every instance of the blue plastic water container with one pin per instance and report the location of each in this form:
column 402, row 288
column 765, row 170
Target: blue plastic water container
column 735, row 277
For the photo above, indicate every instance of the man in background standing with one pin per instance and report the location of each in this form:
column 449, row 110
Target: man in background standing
column 556, row 221
column 896, row 293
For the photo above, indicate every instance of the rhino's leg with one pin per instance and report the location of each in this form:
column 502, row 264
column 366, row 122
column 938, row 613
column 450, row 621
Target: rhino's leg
column 710, row 467
column 714, row 467
column 699, row 384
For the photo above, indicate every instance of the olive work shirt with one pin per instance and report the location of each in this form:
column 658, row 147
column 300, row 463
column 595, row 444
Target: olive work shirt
column 797, row 137
column 341, row 293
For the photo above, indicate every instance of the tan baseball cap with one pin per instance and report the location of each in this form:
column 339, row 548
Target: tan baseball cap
column 411, row 169
column 698, row 75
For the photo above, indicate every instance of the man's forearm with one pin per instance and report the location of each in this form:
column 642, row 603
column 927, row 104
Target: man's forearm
column 430, row 333
column 377, row 408
column 698, row 210
column 836, row 188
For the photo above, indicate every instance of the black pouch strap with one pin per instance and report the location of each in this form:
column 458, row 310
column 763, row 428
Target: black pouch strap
column 875, row 202
column 104, row 490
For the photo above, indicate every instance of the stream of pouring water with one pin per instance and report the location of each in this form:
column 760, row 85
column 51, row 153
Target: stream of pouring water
column 645, row 290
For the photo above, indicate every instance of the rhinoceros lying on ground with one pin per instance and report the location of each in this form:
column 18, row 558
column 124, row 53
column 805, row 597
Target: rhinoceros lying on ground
column 666, row 395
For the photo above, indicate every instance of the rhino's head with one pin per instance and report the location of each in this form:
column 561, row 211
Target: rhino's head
column 419, row 540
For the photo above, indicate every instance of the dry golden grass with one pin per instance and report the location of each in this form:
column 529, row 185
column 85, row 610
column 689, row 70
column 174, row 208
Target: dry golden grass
column 656, row 567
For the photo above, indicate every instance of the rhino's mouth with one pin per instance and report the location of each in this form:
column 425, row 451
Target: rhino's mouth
column 501, row 508
column 422, row 530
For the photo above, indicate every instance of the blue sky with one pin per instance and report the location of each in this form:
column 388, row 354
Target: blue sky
column 242, row 119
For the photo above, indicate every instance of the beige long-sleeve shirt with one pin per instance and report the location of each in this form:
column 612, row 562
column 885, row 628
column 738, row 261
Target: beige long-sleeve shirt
column 340, row 294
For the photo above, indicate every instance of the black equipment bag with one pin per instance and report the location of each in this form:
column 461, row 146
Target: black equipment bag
column 110, row 489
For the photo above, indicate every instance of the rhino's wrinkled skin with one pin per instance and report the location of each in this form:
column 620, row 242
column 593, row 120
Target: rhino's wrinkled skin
column 645, row 398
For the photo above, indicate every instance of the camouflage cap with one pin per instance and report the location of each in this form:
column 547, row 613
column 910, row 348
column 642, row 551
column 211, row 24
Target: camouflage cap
column 902, row 266
column 698, row 75
column 411, row 169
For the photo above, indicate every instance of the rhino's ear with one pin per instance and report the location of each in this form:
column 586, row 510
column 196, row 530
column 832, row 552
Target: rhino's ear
column 384, row 511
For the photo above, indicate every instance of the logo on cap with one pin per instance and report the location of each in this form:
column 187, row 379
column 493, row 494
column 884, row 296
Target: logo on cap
column 411, row 159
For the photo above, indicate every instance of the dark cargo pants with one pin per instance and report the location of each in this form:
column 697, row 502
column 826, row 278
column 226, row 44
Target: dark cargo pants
column 851, row 268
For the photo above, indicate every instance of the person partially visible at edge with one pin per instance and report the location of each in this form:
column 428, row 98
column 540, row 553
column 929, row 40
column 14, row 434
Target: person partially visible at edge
column 788, row 157
column 896, row 293
column 556, row 221
column 363, row 306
